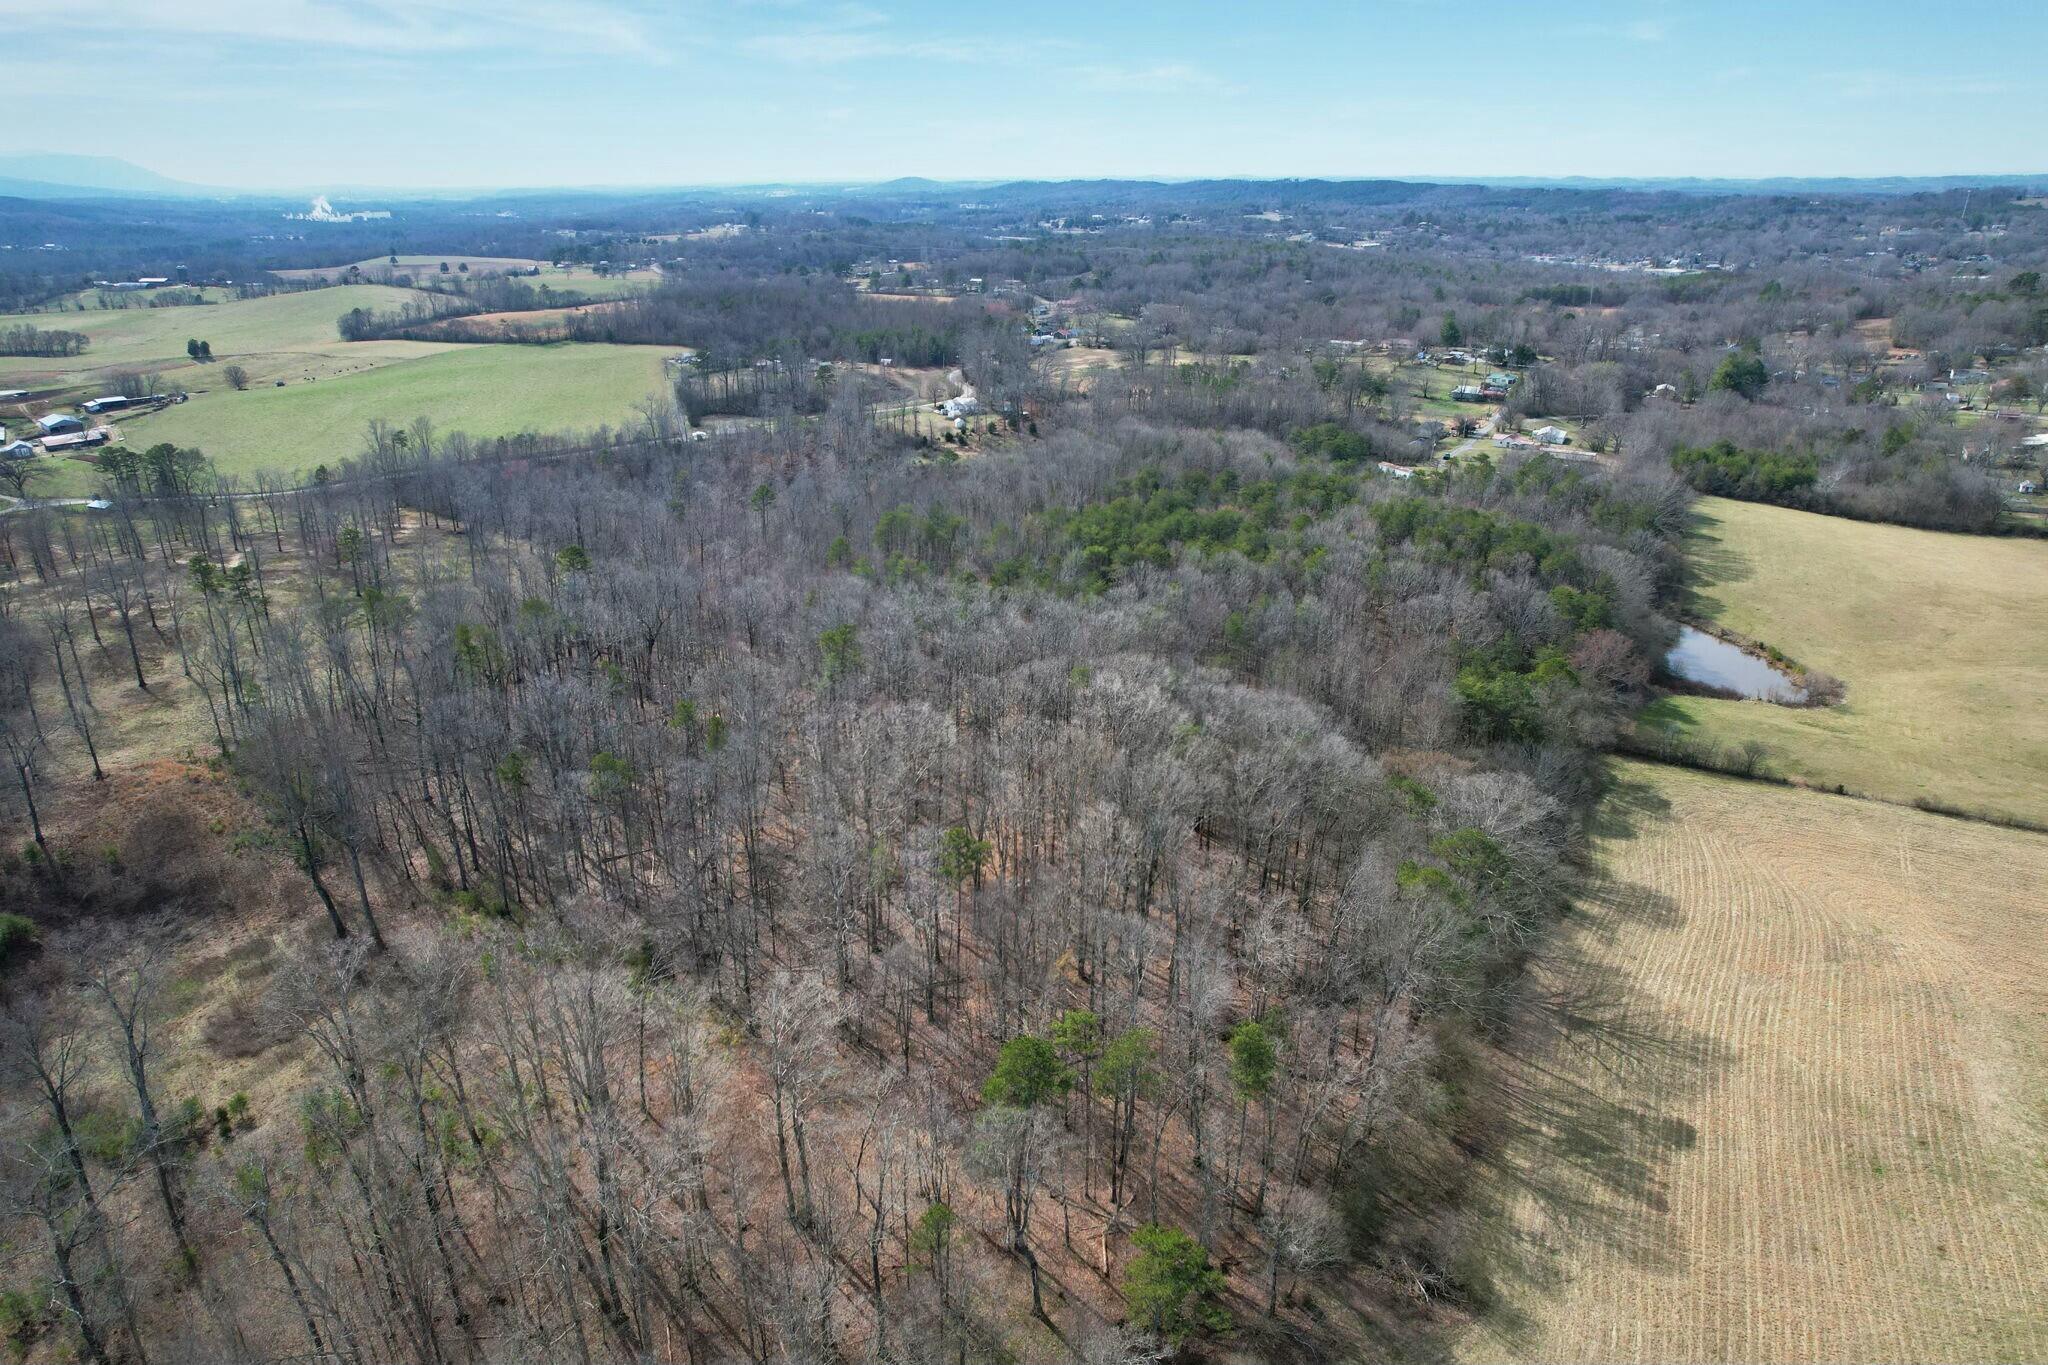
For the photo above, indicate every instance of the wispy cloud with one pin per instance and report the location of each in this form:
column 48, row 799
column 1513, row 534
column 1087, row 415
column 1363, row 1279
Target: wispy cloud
column 833, row 47
column 846, row 33
column 852, row 33
column 1644, row 30
column 367, row 25
column 1885, row 84
column 1161, row 78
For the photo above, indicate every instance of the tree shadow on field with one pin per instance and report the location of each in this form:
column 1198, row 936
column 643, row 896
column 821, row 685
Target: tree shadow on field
column 1710, row 563
column 1628, row 807
column 1592, row 1084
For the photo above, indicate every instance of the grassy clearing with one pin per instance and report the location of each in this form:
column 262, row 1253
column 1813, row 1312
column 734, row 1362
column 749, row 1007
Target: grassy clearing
column 1939, row 638
column 483, row 390
column 582, row 278
column 1817, row 1129
column 1080, row 368
column 254, row 333
column 96, row 300
column 585, row 280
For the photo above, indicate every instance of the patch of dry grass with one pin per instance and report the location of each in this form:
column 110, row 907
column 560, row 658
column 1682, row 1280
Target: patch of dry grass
column 1815, row 1124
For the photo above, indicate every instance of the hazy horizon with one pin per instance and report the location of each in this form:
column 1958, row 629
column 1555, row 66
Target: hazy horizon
column 622, row 94
column 355, row 193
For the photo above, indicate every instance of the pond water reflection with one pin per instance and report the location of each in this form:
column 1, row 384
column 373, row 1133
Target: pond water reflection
column 1701, row 658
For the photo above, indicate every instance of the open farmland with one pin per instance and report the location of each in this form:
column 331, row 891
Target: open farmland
column 383, row 267
column 482, row 390
column 1938, row 636
column 115, row 300
column 289, row 336
column 582, row 278
column 331, row 388
column 1817, row 1131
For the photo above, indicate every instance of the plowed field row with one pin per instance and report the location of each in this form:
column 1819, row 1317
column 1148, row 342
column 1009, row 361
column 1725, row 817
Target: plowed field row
column 1830, row 1090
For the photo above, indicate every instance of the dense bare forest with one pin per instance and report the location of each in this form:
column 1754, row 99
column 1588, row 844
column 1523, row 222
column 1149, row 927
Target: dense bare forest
column 1068, row 842
column 808, row 894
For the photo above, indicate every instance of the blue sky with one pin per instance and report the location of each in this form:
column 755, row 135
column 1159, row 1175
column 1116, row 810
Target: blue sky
column 296, row 93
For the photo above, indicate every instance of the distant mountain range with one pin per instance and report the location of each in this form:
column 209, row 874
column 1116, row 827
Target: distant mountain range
column 1840, row 184
column 57, row 175
column 49, row 175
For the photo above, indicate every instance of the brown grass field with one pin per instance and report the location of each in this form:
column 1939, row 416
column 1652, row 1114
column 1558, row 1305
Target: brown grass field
column 1813, row 1123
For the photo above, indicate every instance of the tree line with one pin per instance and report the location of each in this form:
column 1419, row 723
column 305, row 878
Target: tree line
column 25, row 339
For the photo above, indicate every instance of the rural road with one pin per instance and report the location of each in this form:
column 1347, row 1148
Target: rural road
column 15, row 504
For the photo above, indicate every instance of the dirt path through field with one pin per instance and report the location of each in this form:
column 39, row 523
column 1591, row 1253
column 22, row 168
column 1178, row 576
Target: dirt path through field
column 1797, row 1107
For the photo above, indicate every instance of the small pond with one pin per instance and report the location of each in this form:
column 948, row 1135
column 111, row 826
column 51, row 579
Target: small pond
column 1701, row 658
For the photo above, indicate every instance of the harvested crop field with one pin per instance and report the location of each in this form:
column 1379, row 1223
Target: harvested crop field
column 1815, row 1124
